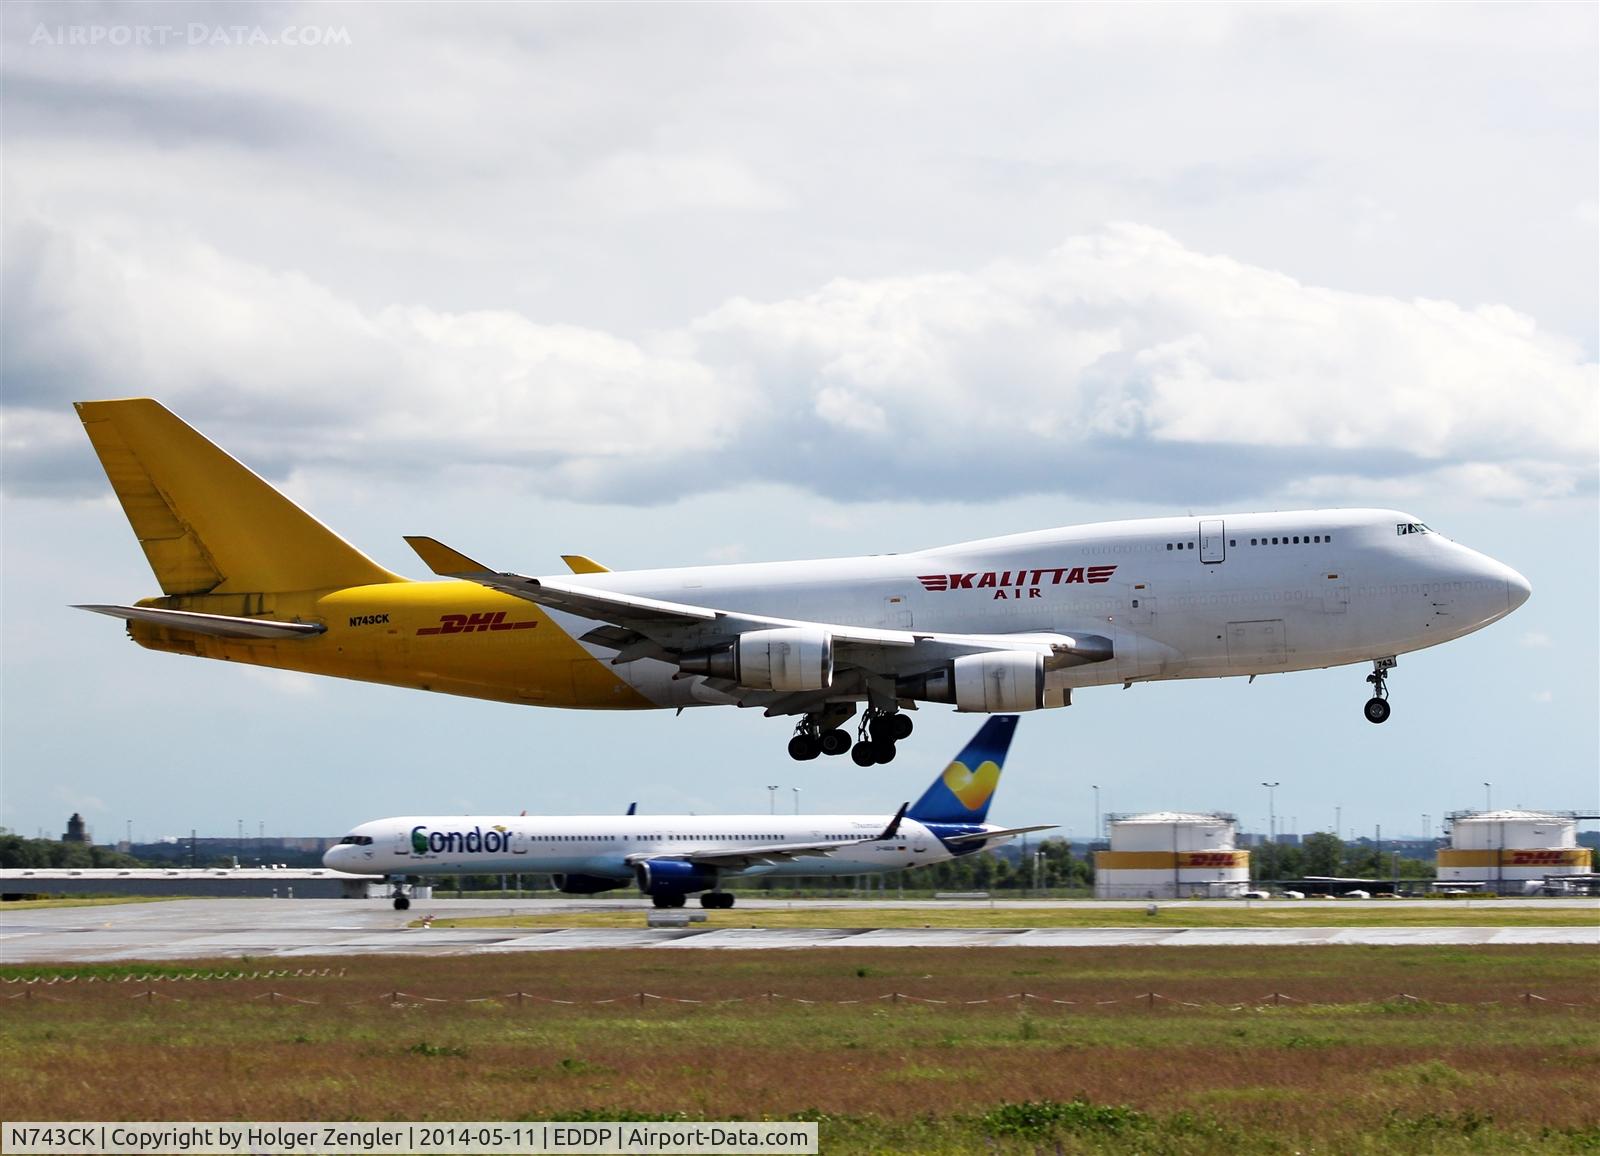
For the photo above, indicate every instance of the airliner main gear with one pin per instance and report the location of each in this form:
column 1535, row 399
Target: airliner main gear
column 818, row 732
column 716, row 900
column 1377, row 708
column 879, row 731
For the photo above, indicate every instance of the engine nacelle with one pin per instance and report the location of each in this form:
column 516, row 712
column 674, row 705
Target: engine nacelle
column 585, row 884
column 786, row 658
column 1000, row 681
column 673, row 877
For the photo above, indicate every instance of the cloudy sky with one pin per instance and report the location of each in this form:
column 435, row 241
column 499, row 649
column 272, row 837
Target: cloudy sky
column 671, row 284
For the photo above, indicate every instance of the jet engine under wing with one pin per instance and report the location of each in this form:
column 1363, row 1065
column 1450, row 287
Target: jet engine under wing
column 738, row 857
column 641, row 627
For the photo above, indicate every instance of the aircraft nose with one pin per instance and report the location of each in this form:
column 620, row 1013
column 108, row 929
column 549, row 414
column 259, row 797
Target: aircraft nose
column 1517, row 589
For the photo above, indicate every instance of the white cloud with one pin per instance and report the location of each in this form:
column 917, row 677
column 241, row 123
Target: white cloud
column 1537, row 639
column 1121, row 363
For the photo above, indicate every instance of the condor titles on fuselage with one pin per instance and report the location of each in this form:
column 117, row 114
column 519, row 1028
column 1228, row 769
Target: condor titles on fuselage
column 672, row 856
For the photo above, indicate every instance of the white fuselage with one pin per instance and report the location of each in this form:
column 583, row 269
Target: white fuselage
column 1189, row 597
column 605, row 845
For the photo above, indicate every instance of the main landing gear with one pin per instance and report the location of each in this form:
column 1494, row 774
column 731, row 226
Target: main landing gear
column 879, row 732
column 819, row 733
column 1377, row 708
column 716, row 900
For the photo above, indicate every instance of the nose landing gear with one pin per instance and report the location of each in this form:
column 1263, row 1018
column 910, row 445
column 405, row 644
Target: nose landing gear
column 1377, row 707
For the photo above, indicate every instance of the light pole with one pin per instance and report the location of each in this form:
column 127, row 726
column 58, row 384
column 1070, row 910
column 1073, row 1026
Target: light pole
column 772, row 798
column 796, row 800
column 1095, row 788
column 1487, row 806
column 1272, row 815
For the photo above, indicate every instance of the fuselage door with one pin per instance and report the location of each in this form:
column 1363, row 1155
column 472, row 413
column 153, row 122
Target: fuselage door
column 519, row 842
column 1213, row 546
column 402, row 842
column 896, row 612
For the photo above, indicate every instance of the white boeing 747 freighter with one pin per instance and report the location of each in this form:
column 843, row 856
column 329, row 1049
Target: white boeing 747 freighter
column 1006, row 624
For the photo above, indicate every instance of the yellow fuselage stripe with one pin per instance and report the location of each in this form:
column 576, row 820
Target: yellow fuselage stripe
column 453, row 637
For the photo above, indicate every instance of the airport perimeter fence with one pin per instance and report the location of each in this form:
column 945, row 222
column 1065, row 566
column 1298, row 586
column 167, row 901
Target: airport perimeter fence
column 1150, row 1000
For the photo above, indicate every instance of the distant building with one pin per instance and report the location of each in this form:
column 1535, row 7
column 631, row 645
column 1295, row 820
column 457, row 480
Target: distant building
column 76, row 832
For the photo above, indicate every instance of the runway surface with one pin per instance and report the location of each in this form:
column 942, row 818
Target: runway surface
column 229, row 928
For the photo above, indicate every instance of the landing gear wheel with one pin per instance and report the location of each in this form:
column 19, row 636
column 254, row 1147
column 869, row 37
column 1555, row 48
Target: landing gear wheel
column 864, row 753
column 804, row 747
column 677, row 900
column 401, row 903
column 1376, row 710
column 708, row 900
column 885, row 752
column 660, row 901
column 834, row 742
column 893, row 727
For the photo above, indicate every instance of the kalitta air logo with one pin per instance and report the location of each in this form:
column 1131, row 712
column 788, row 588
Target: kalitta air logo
column 424, row 841
column 1018, row 583
column 469, row 623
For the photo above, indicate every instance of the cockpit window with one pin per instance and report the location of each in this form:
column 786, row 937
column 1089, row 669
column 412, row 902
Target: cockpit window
column 1411, row 528
column 357, row 840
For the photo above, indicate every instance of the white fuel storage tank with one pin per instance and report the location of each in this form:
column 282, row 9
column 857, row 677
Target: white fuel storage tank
column 1171, row 855
column 1505, row 850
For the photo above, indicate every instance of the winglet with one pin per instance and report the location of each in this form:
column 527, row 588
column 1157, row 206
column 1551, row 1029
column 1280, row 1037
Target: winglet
column 441, row 559
column 583, row 564
column 893, row 829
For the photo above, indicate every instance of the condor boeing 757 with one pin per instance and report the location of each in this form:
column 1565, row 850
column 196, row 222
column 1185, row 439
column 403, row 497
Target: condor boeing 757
column 670, row 856
column 1009, row 624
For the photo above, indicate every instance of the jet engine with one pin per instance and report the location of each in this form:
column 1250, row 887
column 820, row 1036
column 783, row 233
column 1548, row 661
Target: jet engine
column 787, row 658
column 994, row 682
column 673, row 877
column 585, row 884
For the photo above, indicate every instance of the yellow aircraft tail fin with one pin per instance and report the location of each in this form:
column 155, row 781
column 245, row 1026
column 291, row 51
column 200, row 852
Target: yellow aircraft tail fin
column 583, row 564
column 207, row 523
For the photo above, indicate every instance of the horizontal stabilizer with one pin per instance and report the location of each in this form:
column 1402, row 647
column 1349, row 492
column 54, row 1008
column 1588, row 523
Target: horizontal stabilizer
column 220, row 625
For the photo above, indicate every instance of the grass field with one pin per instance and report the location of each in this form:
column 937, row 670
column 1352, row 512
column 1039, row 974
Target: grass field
column 1238, row 1050
column 808, row 914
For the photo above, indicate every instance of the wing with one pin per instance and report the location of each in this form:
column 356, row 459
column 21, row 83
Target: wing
column 737, row 857
column 1004, row 833
column 640, row 627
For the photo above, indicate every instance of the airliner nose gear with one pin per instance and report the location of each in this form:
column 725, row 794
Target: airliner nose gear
column 1377, row 708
